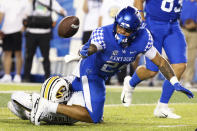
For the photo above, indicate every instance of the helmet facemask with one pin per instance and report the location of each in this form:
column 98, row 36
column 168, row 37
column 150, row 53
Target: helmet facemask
column 129, row 19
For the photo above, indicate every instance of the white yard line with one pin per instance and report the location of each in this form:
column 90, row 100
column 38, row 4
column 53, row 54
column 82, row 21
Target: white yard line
column 9, row 92
column 114, row 105
column 163, row 126
column 141, row 88
column 22, row 84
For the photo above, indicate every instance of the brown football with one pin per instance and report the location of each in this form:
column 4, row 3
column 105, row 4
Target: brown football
column 68, row 26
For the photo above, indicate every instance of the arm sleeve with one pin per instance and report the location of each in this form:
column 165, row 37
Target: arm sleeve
column 151, row 53
column 97, row 38
column 150, row 41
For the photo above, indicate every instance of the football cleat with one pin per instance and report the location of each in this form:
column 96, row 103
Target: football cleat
column 35, row 101
column 126, row 95
column 18, row 110
column 23, row 99
column 163, row 111
column 39, row 110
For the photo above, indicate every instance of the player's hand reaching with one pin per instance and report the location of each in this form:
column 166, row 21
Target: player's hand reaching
column 84, row 51
column 179, row 87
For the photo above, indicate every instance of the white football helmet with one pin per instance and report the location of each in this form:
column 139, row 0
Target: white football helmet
column 56, row 89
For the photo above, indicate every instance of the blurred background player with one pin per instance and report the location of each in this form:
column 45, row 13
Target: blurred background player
column 189, row 27
column 91, row 9
column 108, row 50
column 109, row 10
column 162, row 21
column 12, row 14
column 39, row 33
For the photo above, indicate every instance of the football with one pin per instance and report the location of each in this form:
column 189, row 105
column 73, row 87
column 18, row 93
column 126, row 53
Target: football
column 68, row 26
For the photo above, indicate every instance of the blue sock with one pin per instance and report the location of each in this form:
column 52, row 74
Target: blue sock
column 167, row 92
column 134, row 80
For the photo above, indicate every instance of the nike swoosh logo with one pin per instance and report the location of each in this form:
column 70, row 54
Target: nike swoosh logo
column 165, row 115
column 123, row 99
column 36, row 103
column 40, row 117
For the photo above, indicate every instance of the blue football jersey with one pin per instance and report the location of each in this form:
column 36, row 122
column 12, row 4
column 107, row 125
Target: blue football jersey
column 164, row 10
column 111, row 56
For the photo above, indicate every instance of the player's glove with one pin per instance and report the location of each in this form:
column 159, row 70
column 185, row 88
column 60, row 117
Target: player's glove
column 179, row 87
column 84, row 51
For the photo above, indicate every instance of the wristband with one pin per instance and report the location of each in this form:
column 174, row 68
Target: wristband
column 140, row 10
column 174, row 80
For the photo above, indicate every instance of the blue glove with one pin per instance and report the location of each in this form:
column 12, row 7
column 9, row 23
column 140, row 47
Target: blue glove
column 84, row 51
column 179, row 87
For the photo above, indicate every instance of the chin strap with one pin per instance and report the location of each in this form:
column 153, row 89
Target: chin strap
column 121, row 39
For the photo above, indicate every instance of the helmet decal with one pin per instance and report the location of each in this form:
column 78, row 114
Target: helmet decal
column 56, row 89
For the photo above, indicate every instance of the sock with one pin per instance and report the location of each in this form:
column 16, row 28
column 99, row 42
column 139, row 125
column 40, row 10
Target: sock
column 167, row 92
column 53, row 107
column 134, row 80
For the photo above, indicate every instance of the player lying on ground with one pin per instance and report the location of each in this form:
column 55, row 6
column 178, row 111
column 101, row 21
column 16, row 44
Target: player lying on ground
column 108, row 50
column 59, row 91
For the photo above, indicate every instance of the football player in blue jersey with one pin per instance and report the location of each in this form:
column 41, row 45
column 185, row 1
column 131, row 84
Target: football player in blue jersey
column 109, row 49
column 162, row 21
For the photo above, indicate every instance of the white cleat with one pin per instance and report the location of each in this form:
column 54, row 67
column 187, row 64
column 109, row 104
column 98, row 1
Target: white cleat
column 126, row 95
column 40, row 108
column 35, row 101
column 23, row 99
column 18, row 110
column 163, row 111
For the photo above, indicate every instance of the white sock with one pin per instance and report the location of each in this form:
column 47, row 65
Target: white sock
column 163, row 105
column 53, row 107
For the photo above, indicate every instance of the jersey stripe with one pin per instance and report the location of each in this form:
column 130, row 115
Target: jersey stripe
column 86, row 92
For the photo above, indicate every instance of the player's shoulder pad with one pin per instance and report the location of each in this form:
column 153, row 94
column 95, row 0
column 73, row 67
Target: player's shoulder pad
column 146, row 39
column 97, row 37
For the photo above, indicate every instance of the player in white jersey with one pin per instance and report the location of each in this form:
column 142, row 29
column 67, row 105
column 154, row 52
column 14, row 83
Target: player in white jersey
column 56, row 89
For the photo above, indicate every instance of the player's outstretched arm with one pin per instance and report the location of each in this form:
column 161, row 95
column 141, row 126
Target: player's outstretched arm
column 164, row 66
column 87, row 50
column 169, row 74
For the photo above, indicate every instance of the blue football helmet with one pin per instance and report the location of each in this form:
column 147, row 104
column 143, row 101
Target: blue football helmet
column 128, row 18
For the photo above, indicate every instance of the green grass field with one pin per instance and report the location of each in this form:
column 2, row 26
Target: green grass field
column 138, row 117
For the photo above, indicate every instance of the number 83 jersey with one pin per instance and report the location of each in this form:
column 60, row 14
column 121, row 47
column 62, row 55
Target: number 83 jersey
column 111, row 56
column 163, row 10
